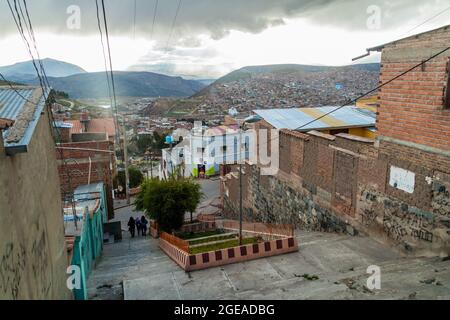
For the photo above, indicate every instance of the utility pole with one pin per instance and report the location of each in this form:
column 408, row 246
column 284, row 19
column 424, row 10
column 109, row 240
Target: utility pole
column 240, row 182
column 125, row 155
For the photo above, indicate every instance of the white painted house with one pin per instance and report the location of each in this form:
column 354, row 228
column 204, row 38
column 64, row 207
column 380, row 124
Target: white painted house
column 204, row 149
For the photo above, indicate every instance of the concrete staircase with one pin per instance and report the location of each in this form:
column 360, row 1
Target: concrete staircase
column 138, row 269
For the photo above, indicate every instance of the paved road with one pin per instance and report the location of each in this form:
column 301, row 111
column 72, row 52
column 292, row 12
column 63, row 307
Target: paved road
column 210, row 187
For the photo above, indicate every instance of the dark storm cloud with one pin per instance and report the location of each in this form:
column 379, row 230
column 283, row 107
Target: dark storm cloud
column 212, row 17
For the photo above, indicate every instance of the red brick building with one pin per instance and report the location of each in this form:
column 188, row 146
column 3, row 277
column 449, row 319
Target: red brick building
column 415, row 109
column 394, row 188
column 88, row 149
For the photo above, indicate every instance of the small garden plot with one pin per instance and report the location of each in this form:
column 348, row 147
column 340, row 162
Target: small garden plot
column 212, row 240
column 223, row 245
column 217, row 238
column 201, row 234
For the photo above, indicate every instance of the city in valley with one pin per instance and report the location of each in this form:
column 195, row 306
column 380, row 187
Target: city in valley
column 256, row 150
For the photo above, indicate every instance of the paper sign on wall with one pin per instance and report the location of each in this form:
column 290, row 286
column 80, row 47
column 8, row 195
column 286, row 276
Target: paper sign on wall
column 402, row 179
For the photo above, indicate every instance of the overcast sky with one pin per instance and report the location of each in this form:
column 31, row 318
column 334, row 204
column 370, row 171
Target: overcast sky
column 213, row 37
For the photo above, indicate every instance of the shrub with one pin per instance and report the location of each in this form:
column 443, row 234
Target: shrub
column 135, row 175
column 167, row 201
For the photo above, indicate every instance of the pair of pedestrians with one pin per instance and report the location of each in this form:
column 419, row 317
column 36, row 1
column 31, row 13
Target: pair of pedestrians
column 140, row 224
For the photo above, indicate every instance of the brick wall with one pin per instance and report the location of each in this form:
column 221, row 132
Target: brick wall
column 396, row 190
column 77, row 167
column 343, row 185
column 412, row 107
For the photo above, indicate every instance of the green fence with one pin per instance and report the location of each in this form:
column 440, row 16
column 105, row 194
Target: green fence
column 88, row 244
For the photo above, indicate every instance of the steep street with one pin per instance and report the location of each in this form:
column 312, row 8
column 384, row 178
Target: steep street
column 138, row 269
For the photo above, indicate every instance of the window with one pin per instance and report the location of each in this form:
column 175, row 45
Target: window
column 224, row 148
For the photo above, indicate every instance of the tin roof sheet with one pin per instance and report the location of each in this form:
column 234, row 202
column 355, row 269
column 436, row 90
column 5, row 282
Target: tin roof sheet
column 15, row 105
column 294, row 118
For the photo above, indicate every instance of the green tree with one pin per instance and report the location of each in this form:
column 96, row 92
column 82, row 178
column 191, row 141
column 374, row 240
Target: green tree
column 144, row 142
column 135, row 175
column 167, row 201
column 159, row 142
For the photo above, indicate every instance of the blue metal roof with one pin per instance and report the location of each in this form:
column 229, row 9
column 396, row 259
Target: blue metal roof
column 293, row 118
column 11, row 103
column 11, row 106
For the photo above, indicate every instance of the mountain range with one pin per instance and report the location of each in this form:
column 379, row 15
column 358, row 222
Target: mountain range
column 78, row 83
column 53, row 68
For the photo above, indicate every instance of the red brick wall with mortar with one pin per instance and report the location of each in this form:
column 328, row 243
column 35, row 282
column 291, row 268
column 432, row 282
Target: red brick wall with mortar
column 339, row 189
column 79, row 168
column 412, row 107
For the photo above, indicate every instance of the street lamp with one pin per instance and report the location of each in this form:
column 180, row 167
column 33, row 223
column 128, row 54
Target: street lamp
column 250, row 119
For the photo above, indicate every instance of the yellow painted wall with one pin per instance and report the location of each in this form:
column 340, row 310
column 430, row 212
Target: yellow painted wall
column 362, row 132
column 368, row 103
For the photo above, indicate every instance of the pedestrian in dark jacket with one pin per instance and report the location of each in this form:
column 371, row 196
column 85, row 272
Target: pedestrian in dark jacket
column 144, row 223
column 138, row 225
column 132, row 226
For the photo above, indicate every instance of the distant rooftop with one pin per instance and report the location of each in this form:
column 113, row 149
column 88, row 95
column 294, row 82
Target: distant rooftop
column 24, row 107
column 218, row 130
column 84, row 196
column 293, row 118
column 94, row 126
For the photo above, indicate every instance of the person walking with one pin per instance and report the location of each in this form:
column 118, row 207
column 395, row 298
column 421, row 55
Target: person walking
column 138, row 225
column 144, row 223
column 132, row 226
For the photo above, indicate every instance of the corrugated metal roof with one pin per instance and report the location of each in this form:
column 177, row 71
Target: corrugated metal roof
column 293, row 118
column 13, row 106
column 11, row 103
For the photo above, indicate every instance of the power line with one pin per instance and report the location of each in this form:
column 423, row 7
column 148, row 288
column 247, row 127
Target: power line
column 134, row 20
column 16, row 16
column 375, row 89
column 17, row 12
column 109, row 55
column 154, row 19
column 106, row 66
column 35, row 46
column 125, row 157
column 173, row 25
column 14, row 89
column 429, row 19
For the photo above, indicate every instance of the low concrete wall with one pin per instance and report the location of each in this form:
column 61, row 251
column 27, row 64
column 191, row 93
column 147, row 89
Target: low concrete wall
column 191, row 262
column 179, row 256
column 154, row 232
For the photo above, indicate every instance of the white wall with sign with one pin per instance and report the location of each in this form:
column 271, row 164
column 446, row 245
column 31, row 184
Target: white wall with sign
column 402, row 179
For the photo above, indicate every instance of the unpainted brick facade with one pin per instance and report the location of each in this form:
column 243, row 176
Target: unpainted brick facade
column 414, row 108
column 77, row 166
column 343, row 183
